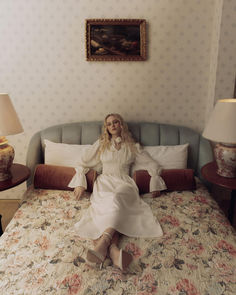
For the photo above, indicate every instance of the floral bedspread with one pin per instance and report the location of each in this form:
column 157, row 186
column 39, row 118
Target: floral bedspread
column 41, row 254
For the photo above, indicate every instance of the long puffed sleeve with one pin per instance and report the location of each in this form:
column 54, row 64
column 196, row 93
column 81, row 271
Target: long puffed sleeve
column 89, row 159
column 145, row 161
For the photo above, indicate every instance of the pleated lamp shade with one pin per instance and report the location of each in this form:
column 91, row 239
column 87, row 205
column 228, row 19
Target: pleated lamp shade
column 221, row 128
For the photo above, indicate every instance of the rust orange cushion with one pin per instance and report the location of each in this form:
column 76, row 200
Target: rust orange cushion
column 175, row 179
column 58, row 177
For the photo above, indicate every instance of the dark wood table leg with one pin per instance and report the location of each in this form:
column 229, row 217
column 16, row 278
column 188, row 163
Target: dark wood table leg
column 1, row 231
column 232, row 206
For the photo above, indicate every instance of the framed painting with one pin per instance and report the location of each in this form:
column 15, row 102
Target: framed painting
column 115, row 39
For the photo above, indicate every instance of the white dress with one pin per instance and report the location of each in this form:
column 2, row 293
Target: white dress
column 115, row 201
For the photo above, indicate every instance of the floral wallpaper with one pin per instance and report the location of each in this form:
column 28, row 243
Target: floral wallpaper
column 191, row 63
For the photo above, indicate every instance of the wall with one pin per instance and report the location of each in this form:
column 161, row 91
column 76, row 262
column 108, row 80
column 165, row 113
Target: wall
column 226, row 66
column 43, row 66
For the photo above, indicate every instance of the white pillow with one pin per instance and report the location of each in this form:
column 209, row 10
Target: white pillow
column 168, row 157
column 62, row 154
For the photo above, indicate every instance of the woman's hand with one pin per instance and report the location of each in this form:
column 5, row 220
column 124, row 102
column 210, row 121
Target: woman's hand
column 156, row 194
column 78, row 192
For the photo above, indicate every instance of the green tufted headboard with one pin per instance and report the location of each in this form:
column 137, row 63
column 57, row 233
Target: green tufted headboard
column 145, row 133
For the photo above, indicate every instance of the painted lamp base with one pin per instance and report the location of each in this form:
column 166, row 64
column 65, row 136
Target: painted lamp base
column 6, row 158
column 226, row 160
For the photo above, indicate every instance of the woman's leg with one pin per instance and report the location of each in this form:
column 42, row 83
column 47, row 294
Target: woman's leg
column 110, row 239
column 119, row 257
column 99, row 253
column 115, row 238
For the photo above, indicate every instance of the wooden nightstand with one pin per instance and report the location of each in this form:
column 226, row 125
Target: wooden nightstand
column 20, row 173
column 209, row 173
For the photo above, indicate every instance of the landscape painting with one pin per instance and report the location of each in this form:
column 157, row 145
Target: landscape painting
column 115, row 40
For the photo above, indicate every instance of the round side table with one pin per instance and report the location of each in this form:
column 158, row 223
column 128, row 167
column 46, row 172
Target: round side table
column 209, row 173
column 19, row 172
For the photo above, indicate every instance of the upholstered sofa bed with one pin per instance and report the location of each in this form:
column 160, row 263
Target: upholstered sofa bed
column 147, row 134
column 40, row 252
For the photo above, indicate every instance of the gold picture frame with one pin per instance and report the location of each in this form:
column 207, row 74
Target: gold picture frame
column 116, row 40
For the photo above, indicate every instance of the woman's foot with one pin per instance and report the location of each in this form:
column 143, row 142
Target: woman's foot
column 98, row 255
column 119, row 257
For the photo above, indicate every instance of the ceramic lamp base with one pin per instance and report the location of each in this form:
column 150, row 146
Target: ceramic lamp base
column 226, row 160
column 6, row 159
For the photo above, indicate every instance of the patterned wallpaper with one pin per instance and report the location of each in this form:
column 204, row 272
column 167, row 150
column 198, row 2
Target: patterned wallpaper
column 226, row 71
column 191, row 62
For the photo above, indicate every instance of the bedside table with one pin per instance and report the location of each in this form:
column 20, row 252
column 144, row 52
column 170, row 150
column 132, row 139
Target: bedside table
column 209, row 173
column 19, row 172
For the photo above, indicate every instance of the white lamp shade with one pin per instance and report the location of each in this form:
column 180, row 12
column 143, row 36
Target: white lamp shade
column 9, row 121
column 221, row 126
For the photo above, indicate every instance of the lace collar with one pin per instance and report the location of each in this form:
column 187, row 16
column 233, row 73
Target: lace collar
column 115, row 141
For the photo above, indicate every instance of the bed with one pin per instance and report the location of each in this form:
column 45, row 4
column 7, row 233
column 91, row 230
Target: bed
column 40, row 252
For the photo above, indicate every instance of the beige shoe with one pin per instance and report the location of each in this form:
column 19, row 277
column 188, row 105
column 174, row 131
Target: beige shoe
column 124, row 258
column 96, row 257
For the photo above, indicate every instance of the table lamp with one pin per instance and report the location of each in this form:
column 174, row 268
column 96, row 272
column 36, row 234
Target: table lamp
column 221, row 129
column 9, row 124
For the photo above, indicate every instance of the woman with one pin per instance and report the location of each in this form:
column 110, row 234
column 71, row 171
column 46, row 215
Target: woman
column 116, row 207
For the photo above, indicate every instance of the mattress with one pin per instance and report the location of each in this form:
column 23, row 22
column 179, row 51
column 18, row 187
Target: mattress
column 40, row 253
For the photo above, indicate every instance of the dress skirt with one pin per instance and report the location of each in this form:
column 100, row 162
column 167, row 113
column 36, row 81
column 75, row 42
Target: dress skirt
column 116, row 203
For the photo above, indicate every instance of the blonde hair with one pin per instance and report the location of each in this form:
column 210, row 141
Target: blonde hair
column 105, row 138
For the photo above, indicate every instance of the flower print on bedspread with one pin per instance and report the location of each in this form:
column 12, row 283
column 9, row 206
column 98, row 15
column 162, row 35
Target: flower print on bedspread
column 71, row 283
